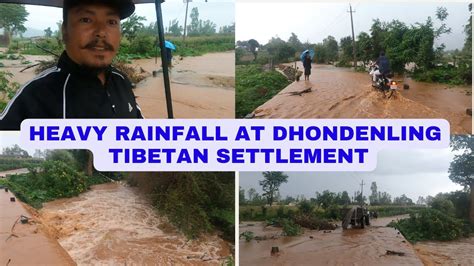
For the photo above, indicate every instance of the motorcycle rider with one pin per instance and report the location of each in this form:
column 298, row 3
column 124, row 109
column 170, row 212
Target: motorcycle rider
column 383, row 66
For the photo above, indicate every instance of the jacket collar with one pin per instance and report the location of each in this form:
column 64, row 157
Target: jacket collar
column 67, row 64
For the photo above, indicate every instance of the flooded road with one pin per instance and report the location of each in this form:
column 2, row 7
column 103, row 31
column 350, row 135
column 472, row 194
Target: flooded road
column 112, row 224
column 459, row 252
column 201, row 87
column 13, row 172
column 342, row 93
column 367, row 246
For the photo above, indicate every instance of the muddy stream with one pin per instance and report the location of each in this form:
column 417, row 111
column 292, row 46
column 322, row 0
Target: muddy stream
column 342, row 93
column 367, row 246
column 113, row 224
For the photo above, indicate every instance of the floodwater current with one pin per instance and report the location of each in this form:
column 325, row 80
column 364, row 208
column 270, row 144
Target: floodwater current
column 377, row 244
column 343, row 93
column 115, row 225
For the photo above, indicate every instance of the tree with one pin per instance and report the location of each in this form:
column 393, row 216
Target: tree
column 344, row 199
column 207, row 27
column 38, row 154
column 175, row 29
column 252, row 193
column 331, row 47
column 421, row 201
column 193, row 28
column 346, row 49
column 280, row 50
column 227, row 29
column 441, row 203
column 374, row 196
column 12, row 19
column 359, row 198
column 252, row 47
column 364, row 47
column 241, row 195
column 15, row 151
column 384, row 198
column 132, row 25
column 48, row 32
column 295, row 42
column 461, row 170
column 271, row 184
column 325, row 199
column 468, row 32
column 403, row 200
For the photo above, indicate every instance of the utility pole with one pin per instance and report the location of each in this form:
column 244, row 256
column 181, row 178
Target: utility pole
column 353, row 37
column 186, row 19
column 362, row 191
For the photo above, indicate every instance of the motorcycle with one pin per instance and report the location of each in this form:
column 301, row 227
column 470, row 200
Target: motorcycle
column 383, row 82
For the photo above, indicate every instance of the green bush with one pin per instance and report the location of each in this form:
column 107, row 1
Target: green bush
column 197, row 202
column 445, row 74
column 392, row 210
column 430, row 224
column 7, row 88
column 255, row 86
column 247, row 235
column 50, row 181
column 290, row 228
column 10, row 163
column 305, row 207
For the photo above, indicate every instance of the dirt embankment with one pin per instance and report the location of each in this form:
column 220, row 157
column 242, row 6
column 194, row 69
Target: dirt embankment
column 342, row 93
column 26, row 243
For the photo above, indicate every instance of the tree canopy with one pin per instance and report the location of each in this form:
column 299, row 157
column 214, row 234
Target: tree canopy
column 13, row 18
column 271, row 184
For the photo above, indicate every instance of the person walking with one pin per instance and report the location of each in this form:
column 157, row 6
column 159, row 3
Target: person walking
column 307, row 66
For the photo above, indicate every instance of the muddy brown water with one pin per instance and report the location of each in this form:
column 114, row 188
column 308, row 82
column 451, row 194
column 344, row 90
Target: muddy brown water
column 113, row 224
column 337, row 247
column 342, row 93
column 201, row 87
column 459, row 252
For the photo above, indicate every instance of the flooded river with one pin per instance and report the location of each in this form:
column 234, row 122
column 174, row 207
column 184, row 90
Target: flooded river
column 367, row 246
column 113, row 224
column 342, row 93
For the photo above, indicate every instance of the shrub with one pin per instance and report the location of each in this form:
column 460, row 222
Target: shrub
column 195, row 202
column 430, row 224
column 248, row 235
column 255, row 86
column 305, row 207
column 290, row 228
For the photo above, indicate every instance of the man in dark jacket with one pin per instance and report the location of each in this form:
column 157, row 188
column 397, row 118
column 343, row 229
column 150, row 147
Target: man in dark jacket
column 383, row 63
column 83, row 84
column 383, row 66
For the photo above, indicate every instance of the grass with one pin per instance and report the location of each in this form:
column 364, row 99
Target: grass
column 51, row 180
column 9, row 163
column 431, row 224
column 255, row 86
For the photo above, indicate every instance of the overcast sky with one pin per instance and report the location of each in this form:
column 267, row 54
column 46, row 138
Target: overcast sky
column 411, row 172
column 315, row 21
column 220, row 12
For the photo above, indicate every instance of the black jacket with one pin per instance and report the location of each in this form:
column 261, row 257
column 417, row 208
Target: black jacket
column 71, row 91
column 384, row 65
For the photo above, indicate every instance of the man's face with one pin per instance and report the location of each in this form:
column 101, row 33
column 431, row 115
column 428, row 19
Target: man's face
column 92, row 35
